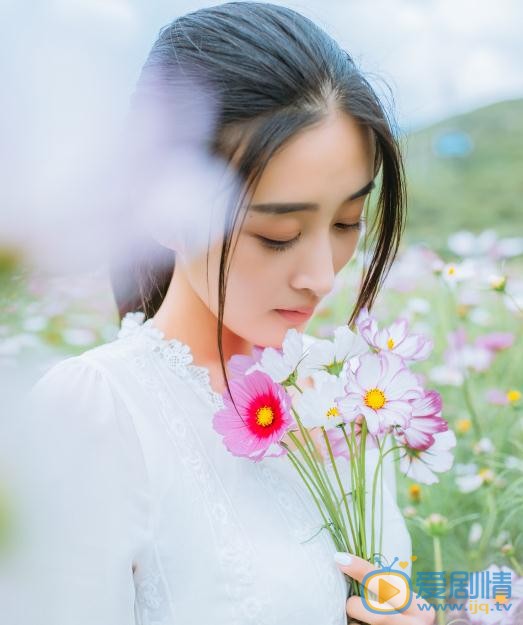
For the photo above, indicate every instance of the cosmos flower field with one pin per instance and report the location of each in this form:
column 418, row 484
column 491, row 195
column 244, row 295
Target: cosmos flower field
column 468, row 299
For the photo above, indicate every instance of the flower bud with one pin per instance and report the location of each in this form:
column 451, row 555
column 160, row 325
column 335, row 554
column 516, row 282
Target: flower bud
column 436, row 524
column 415, row 492
column 508, row 549
column 498, row 283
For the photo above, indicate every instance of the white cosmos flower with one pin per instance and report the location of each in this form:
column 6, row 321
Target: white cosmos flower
column 458, row 272
column 465, row 243
column 484, row 446
column 422, row 466
column 293, row 357
column 470, row 483
column 511, row 462
column 317, row 406
column 469, row 468
column 330, row 356
column 449, row 376
column 475, row 533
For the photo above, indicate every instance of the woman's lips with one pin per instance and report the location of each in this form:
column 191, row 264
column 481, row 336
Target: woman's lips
column 298, row 316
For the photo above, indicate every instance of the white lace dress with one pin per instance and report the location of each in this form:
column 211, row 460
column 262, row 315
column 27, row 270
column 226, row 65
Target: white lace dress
column 139, row 514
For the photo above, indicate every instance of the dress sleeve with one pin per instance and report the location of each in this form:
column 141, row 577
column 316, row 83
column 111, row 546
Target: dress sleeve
column 84, row 505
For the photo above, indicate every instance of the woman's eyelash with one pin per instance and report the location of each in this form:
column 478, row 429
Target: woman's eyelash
column 280, row 246
column 356, row 226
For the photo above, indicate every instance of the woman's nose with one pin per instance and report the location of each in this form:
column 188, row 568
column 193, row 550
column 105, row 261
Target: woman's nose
column 316, row 268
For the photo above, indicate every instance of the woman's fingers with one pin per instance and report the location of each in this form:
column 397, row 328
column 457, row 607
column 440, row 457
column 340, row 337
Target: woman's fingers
column 356, row 610
column 358, row 569
column 426, row 615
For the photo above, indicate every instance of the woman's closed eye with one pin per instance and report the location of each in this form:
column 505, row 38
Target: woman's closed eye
column 275, row 244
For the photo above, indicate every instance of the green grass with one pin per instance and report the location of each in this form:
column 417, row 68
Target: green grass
column 479, row 191
column 483, row 190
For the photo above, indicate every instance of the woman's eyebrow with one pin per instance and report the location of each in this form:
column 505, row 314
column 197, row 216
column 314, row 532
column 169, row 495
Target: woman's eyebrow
column 281, row 208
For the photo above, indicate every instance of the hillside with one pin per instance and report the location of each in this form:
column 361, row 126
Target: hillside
column 467, row 172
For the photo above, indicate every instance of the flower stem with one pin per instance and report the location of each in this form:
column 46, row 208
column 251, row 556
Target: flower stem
column 362, row 493
column 323, row 488
column 517, row 566
column 312, row 447
column 377, row 472
column 296, row 464
column 513, row 300
column 340, row 484
column 470, row 405
column 438, row 566
column 314, row 476
column 354, row 484
column 490, row 524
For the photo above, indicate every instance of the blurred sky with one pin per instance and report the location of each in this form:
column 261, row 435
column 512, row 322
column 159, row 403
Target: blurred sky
column 69, row 67
column 439, row 56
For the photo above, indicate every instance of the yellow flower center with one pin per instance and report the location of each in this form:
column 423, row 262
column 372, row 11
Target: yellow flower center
column 513, row 395
column 451, row 271
column 414, row 490
column 375, row 398
column 498, row 282
column 264, row 416
column 463, row 425
column 486, row 475
column 332, row 412
column 390, row 343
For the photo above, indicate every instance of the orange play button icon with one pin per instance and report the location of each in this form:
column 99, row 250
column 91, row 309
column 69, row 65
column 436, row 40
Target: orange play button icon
column 386, row 591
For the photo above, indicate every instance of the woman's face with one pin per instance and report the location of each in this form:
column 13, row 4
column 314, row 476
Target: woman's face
column 301, row 228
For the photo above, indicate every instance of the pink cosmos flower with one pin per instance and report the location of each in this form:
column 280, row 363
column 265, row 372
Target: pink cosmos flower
column 478, row 356
column 502, row 398
column 461, row 356
column 380, row 388
column 425, row 421
column 412, row 268
column 394, row 338
column 422, row 466
column 239, row 364
column 497, row 397
column 495, row 341
column 264, row 417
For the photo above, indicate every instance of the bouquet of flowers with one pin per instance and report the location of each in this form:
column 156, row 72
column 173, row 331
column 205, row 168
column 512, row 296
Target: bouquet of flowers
column 361, row 394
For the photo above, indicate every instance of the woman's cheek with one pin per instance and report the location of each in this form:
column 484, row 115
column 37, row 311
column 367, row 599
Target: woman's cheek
column 344, row 254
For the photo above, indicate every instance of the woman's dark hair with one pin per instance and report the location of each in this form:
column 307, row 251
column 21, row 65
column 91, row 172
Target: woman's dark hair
column 275, row 73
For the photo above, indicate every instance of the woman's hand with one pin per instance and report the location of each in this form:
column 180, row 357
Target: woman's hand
column 413, row 615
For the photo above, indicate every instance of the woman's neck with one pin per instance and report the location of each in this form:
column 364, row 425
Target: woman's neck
column 184, row 316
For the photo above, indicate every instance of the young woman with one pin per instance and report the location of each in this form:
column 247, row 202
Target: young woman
column 143, row 515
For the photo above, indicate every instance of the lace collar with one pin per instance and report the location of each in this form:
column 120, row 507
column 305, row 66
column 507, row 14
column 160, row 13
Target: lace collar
column 177, row 355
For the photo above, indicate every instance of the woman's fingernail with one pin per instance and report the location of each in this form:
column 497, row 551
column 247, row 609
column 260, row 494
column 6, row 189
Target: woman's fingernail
column 343, row 558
